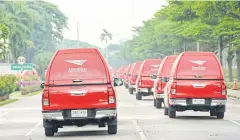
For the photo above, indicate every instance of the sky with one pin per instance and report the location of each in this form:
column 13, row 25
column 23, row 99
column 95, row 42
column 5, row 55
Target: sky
column 116, row 16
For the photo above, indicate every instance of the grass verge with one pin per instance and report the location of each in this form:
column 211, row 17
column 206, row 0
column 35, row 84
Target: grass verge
column 18, row 94
column 2, row 103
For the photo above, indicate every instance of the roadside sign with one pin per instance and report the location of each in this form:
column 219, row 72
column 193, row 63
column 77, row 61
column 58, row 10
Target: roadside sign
column 21, row 60
column 26, row 66
column 15, row 67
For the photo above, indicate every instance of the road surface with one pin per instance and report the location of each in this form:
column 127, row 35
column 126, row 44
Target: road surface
column 138, row 120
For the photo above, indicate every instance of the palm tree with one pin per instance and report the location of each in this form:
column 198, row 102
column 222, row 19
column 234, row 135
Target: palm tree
column 105, row 36
column 19, row 21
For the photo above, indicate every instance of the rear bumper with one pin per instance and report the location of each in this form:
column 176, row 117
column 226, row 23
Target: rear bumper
column 159, row 96
column 145, row 90
column 62, row 115
column 132, row 86
column 189, row 102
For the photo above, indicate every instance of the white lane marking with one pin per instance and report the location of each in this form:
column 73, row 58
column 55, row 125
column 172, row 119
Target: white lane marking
column 237, row 123
column 3, row 114
column 139, row 130
column 20, row 109
column 34, row 128
column 19, row 121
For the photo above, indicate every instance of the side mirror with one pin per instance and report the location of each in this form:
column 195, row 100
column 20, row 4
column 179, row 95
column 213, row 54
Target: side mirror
column 42, row 85
column 117, row 82
column 154, row 76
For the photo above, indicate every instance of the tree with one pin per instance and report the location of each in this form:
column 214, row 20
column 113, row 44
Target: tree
column 105, row 36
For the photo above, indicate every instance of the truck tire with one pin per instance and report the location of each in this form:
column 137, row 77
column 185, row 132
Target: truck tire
column 139, row 96
column 171, row 114
column 158, row 103
column 131, row 90
column 125, row 85
column 165, row 111
column 112, row 129
column 49, row 132
column 220, row 115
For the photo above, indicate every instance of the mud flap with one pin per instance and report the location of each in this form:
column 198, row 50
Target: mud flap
column 47, row 124
column 221, row 108
column 112, row 122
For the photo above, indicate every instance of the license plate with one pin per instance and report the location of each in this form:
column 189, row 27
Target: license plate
column 79, row 113
column 198, row 101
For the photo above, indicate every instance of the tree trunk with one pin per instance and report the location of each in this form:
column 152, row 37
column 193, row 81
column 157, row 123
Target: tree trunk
column 238, row 64
column 229, row 60
column 220, row 48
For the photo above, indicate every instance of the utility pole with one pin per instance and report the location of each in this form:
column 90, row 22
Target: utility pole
column 77, row 35
column 106, row 51
column 198, row 48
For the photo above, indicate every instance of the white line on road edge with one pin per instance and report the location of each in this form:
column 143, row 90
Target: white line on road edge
column 234, row 122
column 34, row 128
column 139, row 130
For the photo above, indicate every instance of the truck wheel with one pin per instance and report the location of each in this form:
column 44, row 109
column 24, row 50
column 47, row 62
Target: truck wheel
column 158, row 103
column 131, row 90
column 171, row 114
column 112, row 129
column 125, row 85
column 139, row 96
column 49, row 132
column 165, row 111
column 154, row 102
column 220, row 115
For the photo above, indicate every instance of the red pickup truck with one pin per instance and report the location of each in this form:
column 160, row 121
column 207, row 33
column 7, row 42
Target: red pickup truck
column 79, row 90
column 196, row 83
column 161, row 80
column 144, row 83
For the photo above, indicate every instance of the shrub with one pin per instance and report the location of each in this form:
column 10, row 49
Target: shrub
column 230, row 85
column 29, row 89
column 7, row 86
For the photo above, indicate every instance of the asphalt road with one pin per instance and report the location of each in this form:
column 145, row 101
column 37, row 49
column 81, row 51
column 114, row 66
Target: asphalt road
column 137, row 120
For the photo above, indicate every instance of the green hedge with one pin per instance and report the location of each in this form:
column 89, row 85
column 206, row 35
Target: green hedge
column 7, row 86
column 29, row 89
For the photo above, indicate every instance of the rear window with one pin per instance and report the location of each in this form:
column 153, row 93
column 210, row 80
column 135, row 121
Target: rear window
column 150, row 68
column 198, row 67
column 77, row 66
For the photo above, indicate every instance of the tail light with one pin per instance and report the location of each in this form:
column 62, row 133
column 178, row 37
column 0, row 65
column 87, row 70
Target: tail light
column 159, row 85
column 45, row 97
column 140, row 82
column 173, row 88
column 111, row 95
column 224, row 89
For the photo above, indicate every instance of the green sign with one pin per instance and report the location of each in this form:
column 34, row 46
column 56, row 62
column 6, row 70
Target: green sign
column 15, row 67
column 26, row 66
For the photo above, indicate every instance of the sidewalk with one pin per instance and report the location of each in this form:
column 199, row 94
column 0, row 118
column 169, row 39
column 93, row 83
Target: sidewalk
column 233, row 93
